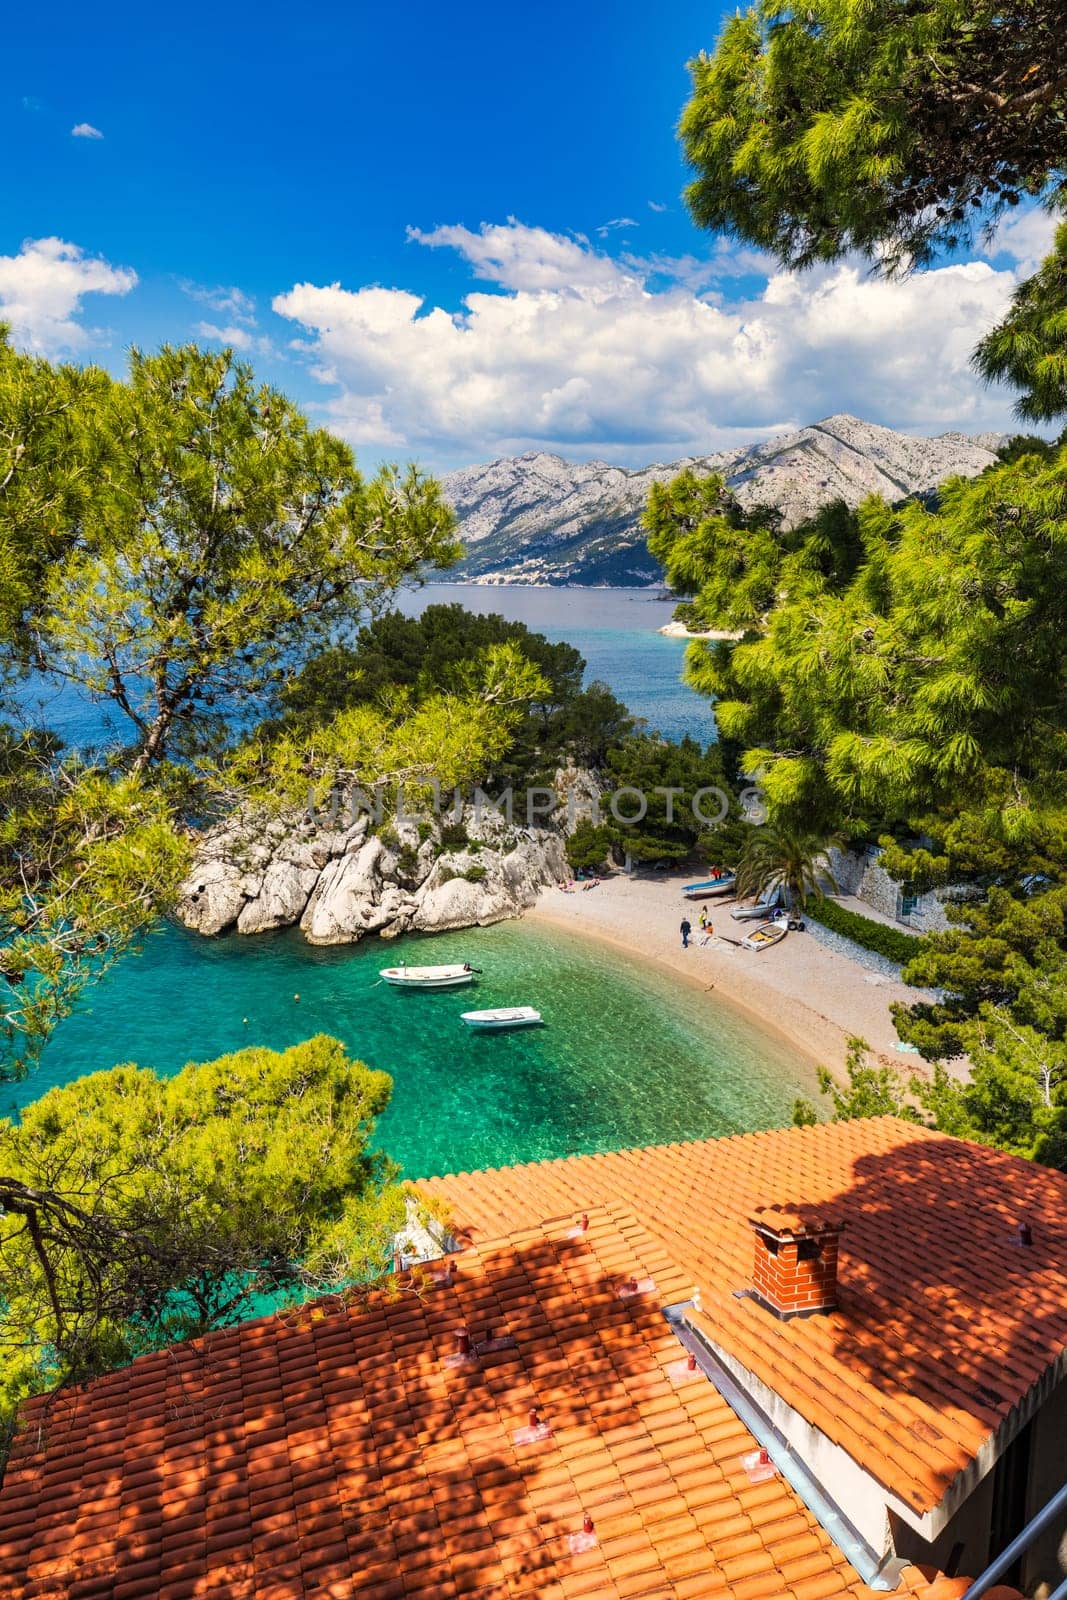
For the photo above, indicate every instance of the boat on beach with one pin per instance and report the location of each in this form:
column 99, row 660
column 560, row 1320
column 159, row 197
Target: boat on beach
column 768, row 933
column 754, row 910
column 453, row 977
column 502, row 1017
column 710, row 888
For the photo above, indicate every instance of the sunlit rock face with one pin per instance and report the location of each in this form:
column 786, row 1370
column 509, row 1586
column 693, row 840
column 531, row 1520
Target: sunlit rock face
column 536, row 518
column 252, row 873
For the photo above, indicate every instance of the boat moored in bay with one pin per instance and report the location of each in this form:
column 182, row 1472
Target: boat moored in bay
column 453, row 977
column 502, row 1017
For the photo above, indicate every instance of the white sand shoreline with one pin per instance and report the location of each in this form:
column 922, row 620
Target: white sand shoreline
column 810, row 996
column 678, row 630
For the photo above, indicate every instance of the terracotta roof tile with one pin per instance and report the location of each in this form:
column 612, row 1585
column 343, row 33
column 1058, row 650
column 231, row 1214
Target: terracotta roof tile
column 944, row 1323
column 335, row 1455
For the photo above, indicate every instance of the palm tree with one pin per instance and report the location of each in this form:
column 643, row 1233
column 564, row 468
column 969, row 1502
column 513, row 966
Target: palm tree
column 795, row 863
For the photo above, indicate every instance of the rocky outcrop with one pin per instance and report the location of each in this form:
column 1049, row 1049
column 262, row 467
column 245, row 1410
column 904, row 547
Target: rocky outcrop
column 254, row 873
column 536, row 518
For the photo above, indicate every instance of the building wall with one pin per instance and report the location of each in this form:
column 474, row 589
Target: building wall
column 860, row 873
column 969, row 1527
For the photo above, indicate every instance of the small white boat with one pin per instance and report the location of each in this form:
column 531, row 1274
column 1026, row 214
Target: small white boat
column 503, row 1017
column 754, row 910
column 710, row 888
column 428, row 977
column 766, row 934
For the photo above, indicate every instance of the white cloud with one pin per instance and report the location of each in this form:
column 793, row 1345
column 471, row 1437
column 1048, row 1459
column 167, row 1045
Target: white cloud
column 615, row 224
column 657, row 205
column 574, row 350
column 517, row 257
column 41, row 291
column 85, row 130
column 223, row 299
column 237, row 336
column 1025, row 237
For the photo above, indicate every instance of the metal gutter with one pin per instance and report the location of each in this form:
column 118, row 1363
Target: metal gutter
column 881, row 1573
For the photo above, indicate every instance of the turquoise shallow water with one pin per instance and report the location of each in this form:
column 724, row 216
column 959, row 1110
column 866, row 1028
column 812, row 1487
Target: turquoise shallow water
column 627, row 1056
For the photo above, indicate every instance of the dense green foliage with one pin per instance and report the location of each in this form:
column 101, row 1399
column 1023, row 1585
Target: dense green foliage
column 227, row 541
column 906, row 680
column 590, row 846
column 670, row 777
column 1029, row 348
column 923, row 685
column 877, row 936
column 174, row 545
column 50, row 459
column 139, row 1210
column 894, row 130
column 418, row 658
column 662, row 801
column 732, row 562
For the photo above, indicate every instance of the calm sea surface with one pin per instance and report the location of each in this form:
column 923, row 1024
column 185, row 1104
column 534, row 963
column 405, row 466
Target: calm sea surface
column 614, row 629
column 626, row 1057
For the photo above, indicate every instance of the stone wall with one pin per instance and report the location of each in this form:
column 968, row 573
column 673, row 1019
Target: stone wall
column 860, row 873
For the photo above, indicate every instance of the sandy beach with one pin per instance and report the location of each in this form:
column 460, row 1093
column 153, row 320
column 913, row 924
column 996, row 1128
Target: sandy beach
column 810, row 995
column 678, row 630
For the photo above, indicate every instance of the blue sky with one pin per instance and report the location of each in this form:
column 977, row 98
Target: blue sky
column 450, row 232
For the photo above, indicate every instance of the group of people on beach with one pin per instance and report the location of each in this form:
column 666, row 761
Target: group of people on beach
column 706, row 929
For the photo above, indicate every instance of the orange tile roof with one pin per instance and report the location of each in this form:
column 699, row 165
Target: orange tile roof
column 944, row 1324
column 344, row 1454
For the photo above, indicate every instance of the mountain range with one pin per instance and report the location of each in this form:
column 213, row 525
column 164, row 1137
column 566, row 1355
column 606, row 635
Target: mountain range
column 536, row 518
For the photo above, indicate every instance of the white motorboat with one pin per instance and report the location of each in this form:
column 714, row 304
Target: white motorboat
column 754, row 910
column 502, row 1017
column 428, row 977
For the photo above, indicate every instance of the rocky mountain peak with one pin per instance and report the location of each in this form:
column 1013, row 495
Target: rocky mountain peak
column 537, row 518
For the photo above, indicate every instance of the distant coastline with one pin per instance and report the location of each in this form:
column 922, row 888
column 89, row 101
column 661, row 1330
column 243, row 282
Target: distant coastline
column 678, row 630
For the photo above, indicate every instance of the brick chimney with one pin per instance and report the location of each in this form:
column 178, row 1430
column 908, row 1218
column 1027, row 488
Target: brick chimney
column 795, row 1269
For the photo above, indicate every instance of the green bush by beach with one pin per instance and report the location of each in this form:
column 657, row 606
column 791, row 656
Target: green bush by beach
column 891, row 942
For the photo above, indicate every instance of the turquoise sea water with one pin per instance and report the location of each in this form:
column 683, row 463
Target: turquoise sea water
column 626, row 1057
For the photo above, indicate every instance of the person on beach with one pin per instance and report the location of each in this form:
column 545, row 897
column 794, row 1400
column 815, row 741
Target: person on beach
column 685, row 930
column 709, row 931
column 703, row 917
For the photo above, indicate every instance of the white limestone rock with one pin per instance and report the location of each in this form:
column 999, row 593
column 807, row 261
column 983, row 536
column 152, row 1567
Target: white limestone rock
column 211, row 898
column 256, row 873
column 459, row 904
column 283, row 894
column 536, row 518
column 348, row 899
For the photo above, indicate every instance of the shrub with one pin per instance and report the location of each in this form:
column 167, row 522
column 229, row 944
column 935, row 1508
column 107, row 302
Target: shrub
column 890, row 942
column 588, row 847
column 472, row 874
